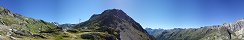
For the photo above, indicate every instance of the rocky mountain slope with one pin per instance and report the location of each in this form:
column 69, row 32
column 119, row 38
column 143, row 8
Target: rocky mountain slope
column 117, row 23
column 14, row 26
column 232, row 31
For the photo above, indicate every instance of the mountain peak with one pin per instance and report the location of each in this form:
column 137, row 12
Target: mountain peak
column 116, row 13
column 241, row 20
column 113, row 10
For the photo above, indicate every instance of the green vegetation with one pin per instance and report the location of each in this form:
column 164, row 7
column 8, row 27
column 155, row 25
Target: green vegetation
column 24, row 23
column 37, row 27
column 8, row 20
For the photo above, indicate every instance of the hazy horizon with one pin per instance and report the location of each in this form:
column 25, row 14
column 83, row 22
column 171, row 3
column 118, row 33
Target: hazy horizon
column 166, row 14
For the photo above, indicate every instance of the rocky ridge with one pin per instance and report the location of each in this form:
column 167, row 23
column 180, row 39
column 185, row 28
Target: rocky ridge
column 231, row 31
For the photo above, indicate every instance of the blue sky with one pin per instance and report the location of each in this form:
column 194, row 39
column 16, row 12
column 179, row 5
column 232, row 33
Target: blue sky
column 165, row 14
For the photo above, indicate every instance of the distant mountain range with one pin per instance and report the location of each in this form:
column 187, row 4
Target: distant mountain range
column 231, row 31
column 154, row 32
